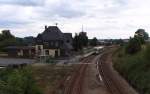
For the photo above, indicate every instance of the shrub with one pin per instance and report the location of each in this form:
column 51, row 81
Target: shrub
column 147, row 52
column 133, row 46
column 135, row 68
column 17, row 81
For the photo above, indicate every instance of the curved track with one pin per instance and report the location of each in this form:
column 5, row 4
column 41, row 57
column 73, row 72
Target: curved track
column 76, row 81
column 111, row 83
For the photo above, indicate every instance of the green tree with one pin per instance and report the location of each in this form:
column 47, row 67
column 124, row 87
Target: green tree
column 83, row 38
column 18, row 81
column 142, row 33
column 80, row 40
column 76, row 42
column 133, row 46
column 141, row 39
column 94, row 41
column 146, row 36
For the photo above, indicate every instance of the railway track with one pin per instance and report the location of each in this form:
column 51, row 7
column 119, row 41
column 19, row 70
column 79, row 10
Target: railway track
column 76, row 80
column 111, row 83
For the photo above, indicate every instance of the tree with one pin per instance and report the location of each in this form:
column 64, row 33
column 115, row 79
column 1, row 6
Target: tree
column 76, row 42
column 146, row 36
column 94, row 41
column 83, row 38
column 80, row 40
column 141, row 39
column 141, row 33
column 133, row 46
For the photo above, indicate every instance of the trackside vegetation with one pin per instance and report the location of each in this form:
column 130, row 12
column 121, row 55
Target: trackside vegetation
column 134, row 67
column 18, row 81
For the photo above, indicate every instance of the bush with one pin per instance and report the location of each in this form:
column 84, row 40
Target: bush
column 17, row 81
column 135, row 68
column 133, row 46
column 147, row 52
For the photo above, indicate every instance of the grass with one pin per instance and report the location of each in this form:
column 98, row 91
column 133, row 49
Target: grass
column 18, row 81
column 50, row 77
column 35, row 79
column 135, row 68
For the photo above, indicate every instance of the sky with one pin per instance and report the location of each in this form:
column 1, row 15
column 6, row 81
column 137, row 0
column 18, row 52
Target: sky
column 99, row 18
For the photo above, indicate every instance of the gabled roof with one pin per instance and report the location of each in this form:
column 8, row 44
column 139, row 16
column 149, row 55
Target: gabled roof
column 52, row 33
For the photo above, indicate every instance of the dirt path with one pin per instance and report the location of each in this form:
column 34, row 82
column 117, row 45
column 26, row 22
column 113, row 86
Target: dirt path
column 92, row 84
column 119, row 81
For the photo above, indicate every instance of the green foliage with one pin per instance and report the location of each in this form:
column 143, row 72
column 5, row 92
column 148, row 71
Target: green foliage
column 80, row 40
column 76, row 43
column 135, row 68
column 140, row 39
column 146, row 36
column 118, row 42
column 17, row 81
column 133, row 46
column 83, row 39
column 93, row 42
column 7, row 39
column 147, row 52
column 142, row 33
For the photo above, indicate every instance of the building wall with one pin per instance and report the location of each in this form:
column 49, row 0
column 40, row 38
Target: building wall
column 20, row 53
column 39, row 51
column 43, row 52
column 51, row 52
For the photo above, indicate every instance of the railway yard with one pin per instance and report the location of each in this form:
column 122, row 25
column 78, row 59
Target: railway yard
column 95, row 75
column 91, row 74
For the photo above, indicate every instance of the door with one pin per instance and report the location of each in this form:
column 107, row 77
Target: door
column 56, row 53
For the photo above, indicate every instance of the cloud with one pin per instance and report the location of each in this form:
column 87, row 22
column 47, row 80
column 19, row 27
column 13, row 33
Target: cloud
column 101, row 18
column 22, row 2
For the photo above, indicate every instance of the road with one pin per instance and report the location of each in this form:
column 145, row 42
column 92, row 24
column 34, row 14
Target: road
column 97, row 76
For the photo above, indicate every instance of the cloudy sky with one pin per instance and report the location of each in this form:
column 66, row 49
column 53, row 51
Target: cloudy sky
column 100, row 18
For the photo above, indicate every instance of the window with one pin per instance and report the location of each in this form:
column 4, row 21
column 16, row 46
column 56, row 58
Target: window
column 56, row 44
column 68, row 41
column 39, row 47
column 47, row 52
column 62, row 42
column 46, row 44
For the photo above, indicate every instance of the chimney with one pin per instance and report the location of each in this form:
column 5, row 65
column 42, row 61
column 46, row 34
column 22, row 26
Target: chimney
column 45, row 27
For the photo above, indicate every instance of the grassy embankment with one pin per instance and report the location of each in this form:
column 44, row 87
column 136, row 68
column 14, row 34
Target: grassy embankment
column 18, row 81
column 135, row 68
column 35, row 79
column 50, row 77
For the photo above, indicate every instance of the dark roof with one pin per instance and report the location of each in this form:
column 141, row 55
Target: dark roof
column 68, row 35
column 52, row 33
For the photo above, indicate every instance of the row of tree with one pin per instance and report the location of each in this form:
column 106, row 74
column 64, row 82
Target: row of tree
column 81, row 40
column 7, row 39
